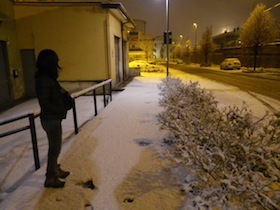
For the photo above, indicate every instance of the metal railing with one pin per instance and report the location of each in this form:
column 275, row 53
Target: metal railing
column 31, row 126
column 93, row 89
column 32, row 115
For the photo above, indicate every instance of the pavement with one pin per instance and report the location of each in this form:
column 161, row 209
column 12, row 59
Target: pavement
column 128, row 118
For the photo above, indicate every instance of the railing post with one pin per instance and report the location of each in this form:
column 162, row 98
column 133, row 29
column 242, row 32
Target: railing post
column 34, row 141
column 95, row 103
column 75, row 117
column 110, row 89
column 104, row 95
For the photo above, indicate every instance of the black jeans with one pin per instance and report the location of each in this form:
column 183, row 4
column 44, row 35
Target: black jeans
column 54, row 132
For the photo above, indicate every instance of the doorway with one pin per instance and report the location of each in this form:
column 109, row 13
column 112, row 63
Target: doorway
column 29, row 68
column 118, row 60
column 5, row 94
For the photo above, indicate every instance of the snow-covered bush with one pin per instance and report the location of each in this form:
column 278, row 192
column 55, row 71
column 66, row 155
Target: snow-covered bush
column 236, row 159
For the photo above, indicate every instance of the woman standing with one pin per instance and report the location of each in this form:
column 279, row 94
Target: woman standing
column 51, row 97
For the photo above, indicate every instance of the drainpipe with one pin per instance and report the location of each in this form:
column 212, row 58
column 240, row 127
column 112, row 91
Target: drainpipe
column 108, row 47
column 123, row 63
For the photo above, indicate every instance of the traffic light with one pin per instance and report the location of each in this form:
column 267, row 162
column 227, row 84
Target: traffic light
column 169, row 37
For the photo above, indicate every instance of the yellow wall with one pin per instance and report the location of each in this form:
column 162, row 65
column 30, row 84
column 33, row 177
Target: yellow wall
column 8, row 34
column 82, row 36
column 77, row 34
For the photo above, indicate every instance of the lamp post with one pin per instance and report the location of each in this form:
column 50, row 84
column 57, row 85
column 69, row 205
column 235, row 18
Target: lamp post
column 270, row 8
column 195, row 37
column 167, row 37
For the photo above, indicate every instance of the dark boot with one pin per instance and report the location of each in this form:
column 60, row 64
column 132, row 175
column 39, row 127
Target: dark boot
column 54, row 182
column 61, row 173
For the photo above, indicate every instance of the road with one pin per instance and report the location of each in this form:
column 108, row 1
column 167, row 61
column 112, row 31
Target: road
column 267, row 85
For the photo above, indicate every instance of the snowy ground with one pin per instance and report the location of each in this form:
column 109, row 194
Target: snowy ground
column 16, row 156
column 120, row 151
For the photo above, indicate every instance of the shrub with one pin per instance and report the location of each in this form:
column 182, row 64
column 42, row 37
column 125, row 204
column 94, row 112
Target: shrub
column 235, row 157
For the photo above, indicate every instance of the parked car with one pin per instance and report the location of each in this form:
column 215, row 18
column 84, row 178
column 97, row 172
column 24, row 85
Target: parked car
column 230, row 63
column 138, row 63
column 176, row 61
column 144, row 66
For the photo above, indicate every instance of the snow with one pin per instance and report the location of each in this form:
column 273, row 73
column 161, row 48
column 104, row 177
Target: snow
column 120, row 151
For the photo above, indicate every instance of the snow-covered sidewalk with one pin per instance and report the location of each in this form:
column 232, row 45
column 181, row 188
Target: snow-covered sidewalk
column 16, row 155
column 118, row 149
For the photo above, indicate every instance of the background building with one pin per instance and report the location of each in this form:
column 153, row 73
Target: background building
column 141, row 45
column 228, row 45
column 227, row 39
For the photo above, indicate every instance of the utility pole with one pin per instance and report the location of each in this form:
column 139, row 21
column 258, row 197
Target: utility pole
column 167, row 38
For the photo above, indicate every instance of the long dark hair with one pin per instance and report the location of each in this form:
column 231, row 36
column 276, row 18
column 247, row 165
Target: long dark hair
column 47, row 63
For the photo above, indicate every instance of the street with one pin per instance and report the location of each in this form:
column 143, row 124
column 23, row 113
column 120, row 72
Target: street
column 255, row 82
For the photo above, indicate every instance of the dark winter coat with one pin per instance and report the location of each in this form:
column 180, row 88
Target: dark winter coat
column 49, row 94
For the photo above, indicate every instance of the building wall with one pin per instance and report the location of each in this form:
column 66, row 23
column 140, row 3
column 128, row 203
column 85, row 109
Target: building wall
column 227, row 39
column 77, row 34
column 136, row 34
column 140, row 26
column 8, row 35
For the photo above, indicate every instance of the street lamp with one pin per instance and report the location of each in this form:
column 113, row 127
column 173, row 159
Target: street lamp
column 195, row 37
column 167, row 38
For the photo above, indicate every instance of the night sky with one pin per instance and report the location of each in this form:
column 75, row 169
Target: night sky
column 220, row 14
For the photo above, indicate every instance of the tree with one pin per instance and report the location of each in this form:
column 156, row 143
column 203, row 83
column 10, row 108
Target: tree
column 258, row 30
column 147, row 45
column 178, row 51
column 206, row 45
column 188, row 46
